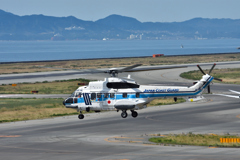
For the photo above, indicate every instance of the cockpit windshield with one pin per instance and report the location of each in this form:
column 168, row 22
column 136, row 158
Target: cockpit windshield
column 73, row 94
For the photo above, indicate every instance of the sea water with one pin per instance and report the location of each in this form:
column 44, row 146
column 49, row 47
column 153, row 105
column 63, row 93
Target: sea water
column 16, row 51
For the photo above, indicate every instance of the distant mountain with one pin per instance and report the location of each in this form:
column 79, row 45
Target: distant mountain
column 120, row 22
column 41, row 27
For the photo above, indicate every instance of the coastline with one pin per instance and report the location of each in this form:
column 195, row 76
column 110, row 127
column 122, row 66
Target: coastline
column 201, row 54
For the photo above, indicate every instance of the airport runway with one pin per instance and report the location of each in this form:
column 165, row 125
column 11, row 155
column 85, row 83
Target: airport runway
column 105, row 136
column 169, row 75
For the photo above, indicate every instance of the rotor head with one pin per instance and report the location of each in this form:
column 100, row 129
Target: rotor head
column 114, row 71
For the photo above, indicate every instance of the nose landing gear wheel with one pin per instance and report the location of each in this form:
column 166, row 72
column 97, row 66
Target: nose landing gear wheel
column 124, row 114
column 134, row 114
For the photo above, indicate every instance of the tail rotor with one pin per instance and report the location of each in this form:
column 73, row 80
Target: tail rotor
column 201, row 70
column 212, row 68
column 209, row 90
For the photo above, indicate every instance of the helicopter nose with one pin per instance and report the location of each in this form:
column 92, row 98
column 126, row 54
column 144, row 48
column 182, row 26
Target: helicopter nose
column 64, row 102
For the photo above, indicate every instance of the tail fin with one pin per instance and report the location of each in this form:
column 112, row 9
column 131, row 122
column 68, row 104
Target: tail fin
column 203, row 83
column 206, row 79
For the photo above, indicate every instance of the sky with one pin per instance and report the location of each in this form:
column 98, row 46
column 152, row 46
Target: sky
column 142, row 10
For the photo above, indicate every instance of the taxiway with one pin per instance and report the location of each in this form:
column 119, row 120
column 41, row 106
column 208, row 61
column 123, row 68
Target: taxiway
column 105, row 136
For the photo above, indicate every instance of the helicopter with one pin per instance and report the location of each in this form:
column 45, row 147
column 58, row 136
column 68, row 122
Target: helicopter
column 125, row 94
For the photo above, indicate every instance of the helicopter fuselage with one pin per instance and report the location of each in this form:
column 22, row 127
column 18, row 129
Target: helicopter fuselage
column 125, row 94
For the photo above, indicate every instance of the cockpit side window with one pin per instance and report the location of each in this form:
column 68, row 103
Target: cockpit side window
column 79, row 94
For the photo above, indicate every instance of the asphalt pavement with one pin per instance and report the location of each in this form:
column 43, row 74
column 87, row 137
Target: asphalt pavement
column 105, row 135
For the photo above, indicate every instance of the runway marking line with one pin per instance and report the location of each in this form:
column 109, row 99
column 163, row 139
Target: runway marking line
column 108, row 139
column 9, row 136
column 129, row 137
column 162, row 75
column 117, row 159
column 212, row 134
column 238, row 116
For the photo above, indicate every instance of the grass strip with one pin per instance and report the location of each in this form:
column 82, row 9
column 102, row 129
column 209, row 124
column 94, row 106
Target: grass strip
column 212, row 140
column 166, row 101
column 55, row 87
column 21, row 109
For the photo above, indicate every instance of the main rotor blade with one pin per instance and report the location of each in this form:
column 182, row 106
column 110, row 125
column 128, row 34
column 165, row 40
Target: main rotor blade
column 212, row 68
column 128, row 68
column 155, row 68
column 201, row 70
column 86, row 71
column 116, row 70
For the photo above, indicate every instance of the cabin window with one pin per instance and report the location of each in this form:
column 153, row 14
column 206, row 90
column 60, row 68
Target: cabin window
column 137, row 95
column 93, row 96
column 124, row 95
column 106, row 95
column 112, row 95
column 99, row 95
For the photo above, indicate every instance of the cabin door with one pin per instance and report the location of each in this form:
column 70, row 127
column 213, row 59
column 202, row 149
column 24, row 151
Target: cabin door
column 99, row 100
column 109, row 100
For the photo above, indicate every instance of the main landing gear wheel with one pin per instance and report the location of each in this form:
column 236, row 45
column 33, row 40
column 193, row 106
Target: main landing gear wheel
column 124, row 114
column 134, row 114
column 80, row 116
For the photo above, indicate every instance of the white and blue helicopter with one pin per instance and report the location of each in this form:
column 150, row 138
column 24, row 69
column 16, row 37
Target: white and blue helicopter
column 126, row 94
